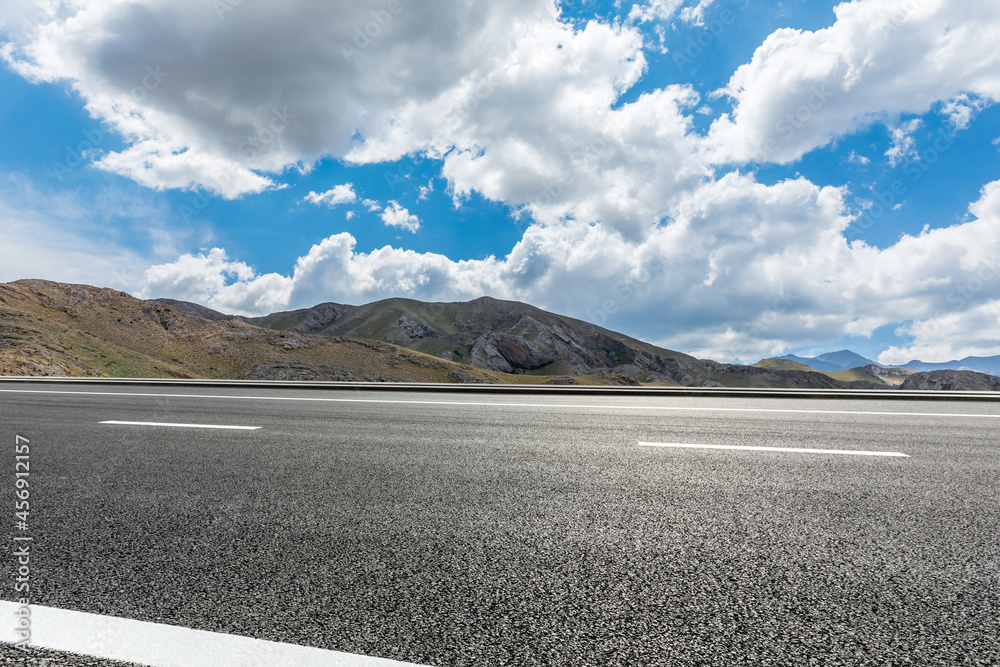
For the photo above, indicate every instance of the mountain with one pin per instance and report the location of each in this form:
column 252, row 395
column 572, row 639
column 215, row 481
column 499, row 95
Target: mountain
column 58, row 329
column 952, row 380
column 887, row 377
column 49, row 328
column 892, row 376
column 988, row 365
column 813, row 363
column 487, row 333
column 832, row 361
column 845, row 359
column 519, row 339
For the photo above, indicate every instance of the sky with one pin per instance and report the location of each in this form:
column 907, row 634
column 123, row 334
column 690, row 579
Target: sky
column 735, row 179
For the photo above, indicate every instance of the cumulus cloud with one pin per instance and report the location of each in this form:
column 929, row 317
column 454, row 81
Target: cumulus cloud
column 856, row 158
column 338, row 194
column 661, row 10
column 226, row 105
column 629, row 211
column 213, row 279
column 961, row 301
column 881, row 58
column 222, row 102
column 961, row 110
column 904, row 146
column 664, row 10
column 228, row 102
column 395, row 215
column 743, row 270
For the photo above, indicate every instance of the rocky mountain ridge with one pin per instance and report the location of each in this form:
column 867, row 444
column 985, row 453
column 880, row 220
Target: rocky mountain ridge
column 846, row 360
column 519, row 339
column 49, row 328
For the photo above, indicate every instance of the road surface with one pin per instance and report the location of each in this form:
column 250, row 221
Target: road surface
column 445, row 529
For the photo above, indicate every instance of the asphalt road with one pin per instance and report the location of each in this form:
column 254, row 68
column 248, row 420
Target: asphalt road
column 486, row 530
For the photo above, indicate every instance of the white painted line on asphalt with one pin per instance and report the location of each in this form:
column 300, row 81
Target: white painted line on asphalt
column 231, row 428
column 484, row 404
column 161, row 645
column 792, row 450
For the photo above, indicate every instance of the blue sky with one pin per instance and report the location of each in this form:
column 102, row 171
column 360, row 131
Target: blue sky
column 730, row 178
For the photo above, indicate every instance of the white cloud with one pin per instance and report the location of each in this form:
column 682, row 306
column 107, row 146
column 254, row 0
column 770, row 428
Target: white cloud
column 665, row 10
column 655, row 10
column 961, row 110
column 904, row 146
column 225, row 105
column 950, row 335
column 881, row 58
column 696, row 14
column 338, row 194
column 628, row 216
column 743, row 270
column 395, row 215
column 79, row 236
column 222, row 102
column 197, row 101
column 855, row 158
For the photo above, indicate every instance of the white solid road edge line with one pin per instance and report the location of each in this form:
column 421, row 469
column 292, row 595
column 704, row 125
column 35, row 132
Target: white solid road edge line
column 794, row 450
column 161, row 645
column 232, row 428
column 487, row 404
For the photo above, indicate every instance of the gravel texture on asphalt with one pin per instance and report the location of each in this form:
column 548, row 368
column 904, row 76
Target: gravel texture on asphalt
column 481, row 534
column 38, row 657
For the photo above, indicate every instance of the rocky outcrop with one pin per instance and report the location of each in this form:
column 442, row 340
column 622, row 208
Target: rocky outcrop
column 319, row 317
column 414, row 328
column 949, row 380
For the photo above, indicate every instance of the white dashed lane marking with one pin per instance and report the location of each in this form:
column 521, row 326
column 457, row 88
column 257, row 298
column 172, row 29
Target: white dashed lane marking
column 789, row 450
column 171, row 425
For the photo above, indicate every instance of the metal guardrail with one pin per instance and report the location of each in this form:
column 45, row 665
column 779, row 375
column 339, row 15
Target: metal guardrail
column 595, row 390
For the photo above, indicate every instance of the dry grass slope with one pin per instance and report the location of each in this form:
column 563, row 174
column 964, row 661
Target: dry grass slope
column 57, row 329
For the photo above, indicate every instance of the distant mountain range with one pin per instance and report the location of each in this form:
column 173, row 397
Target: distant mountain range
column 60, row 329
column 988, row 365
column 846, row 359
column 832, row 361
